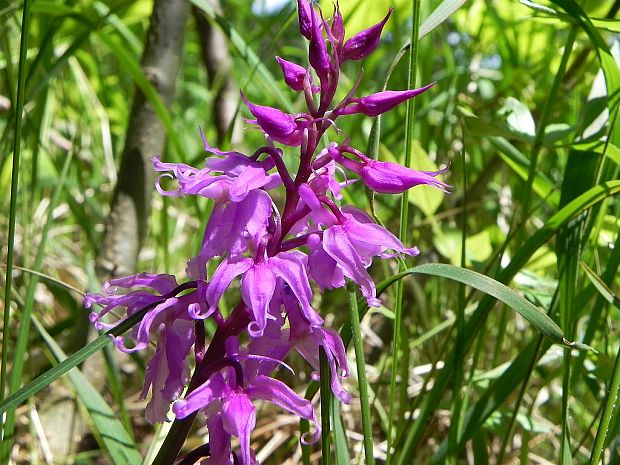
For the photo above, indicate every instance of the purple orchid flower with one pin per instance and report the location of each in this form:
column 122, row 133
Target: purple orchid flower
column 259, row 241
column 387, row 177
column 258, row 285
column 170, row 322
column 232, row 395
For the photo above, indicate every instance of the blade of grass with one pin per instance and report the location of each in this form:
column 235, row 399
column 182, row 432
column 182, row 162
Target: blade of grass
column 17, row 138
column 609, row 410
column 108, row 430
column 582, row 203
column 361, row 376
column 340, row 437
column 404, row 226
column 23, row 336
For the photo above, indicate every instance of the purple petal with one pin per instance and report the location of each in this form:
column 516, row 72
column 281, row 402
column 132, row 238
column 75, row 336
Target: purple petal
column 219, row 443
column 278, row 393
column 295, row 75
column 392, row 178
column 365, row 42
column 213, row 389
column 223, row 276
column 305, row 13
column 321, row 267
column 278, row 125
column 239, row 419
column 337, row 244
column 257, row 289
column 291, row 267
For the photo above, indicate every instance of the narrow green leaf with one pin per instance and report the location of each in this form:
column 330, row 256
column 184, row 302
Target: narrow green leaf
column 602, row 288
column 72, row 361
column 501, row 292
column 106, row 427
column 341, row 445
column 361, row 376
column 439, row 15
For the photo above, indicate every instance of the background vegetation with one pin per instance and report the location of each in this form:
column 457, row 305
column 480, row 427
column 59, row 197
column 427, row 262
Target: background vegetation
column 524, row 112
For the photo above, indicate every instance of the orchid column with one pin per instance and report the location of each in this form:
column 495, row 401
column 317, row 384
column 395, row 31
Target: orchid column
column 281, row 254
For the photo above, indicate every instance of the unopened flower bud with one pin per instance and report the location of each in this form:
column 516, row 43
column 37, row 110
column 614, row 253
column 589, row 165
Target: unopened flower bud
column 381, row 102
column 365, row 42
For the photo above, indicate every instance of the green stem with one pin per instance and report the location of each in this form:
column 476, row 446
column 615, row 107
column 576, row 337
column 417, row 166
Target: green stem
column 361, row 376
column 404, row 220
column 608, row 411
column 17, row 134
column 326, row 394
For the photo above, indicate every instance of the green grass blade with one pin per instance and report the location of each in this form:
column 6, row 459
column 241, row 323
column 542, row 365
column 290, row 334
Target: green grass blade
column 501, row 292
column 609, row 411
column 17, row 139
column 575, row 208
column 439, row 15
column 404, row 226
column 361, row 376
column 21, row 345
column 108, row 430
column 70, row 362
column 341, row 445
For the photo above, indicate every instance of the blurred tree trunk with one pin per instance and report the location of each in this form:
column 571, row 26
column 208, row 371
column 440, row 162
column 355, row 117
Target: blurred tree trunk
column 126, row 225
column 218, row 63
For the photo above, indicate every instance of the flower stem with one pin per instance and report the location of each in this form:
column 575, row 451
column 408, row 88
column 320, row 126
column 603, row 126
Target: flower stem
column 361, row 375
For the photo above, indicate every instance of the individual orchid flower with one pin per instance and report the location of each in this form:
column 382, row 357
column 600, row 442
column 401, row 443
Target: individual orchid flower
column 386, row 177
column 258, row 285
column 365, row 42
column 169, row 321
column 232, row 397
column 379, row 103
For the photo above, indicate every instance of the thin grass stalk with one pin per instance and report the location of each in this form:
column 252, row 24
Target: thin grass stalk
column 24, row 329
column 361, row 377
column 457, row 400
column 404, row 220
column 545, row 116
column 608, row 413
column 326, row 394
column 17, row 135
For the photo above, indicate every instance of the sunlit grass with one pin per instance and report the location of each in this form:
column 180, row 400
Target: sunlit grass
column 518, row 112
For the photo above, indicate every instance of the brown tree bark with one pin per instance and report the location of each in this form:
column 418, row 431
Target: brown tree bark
column 217, row 60
column 126, row 225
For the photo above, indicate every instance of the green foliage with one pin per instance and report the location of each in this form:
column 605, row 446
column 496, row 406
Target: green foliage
column 527, row 98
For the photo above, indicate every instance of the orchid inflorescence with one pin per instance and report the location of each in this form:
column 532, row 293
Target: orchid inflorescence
column 275, row 255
